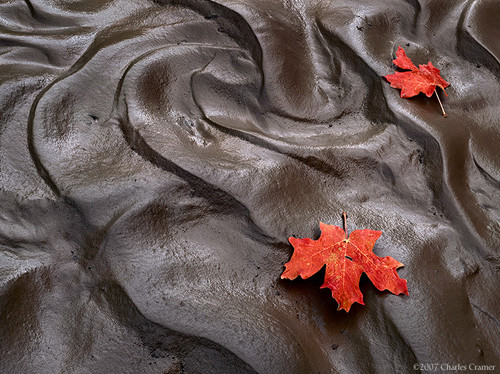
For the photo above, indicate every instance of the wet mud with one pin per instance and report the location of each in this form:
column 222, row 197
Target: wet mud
column 155, row 156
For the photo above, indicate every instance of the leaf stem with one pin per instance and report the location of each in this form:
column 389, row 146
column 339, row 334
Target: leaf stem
column 444, row 113
column 344, row 216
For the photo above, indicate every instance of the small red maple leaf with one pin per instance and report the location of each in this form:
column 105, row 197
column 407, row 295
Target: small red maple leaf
column 346, row 258
column 423, row 79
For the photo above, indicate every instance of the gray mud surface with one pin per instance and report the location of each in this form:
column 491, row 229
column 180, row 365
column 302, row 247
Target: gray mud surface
column 155, row 156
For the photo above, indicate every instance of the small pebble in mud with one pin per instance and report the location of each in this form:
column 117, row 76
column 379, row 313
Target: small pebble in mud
column 480, row 350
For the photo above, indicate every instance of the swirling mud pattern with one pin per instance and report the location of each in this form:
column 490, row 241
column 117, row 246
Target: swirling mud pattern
column 155, row 156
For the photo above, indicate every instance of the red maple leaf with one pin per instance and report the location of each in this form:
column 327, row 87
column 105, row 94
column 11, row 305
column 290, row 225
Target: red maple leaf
column 346, row 258
column 423, row 79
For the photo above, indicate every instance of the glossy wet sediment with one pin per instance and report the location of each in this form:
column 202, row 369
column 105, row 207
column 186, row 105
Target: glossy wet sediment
column 156, row 156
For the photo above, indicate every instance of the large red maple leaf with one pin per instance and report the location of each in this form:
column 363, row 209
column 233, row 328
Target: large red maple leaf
column 423, row 79
column 346, row 258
